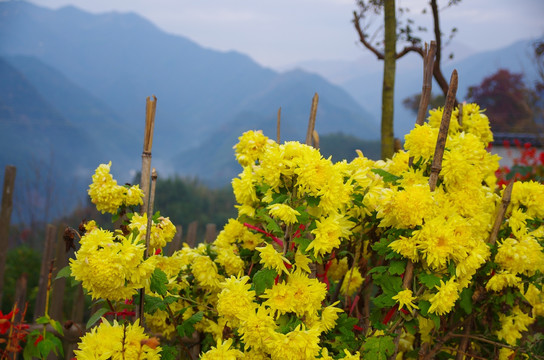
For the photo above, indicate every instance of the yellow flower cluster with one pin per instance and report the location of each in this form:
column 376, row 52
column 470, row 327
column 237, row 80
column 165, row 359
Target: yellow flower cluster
column 108, row 196
column 111, row 266
column 115, row 341
column 162, row 232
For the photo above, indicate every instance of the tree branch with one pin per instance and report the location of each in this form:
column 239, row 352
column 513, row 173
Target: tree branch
column 362, row 37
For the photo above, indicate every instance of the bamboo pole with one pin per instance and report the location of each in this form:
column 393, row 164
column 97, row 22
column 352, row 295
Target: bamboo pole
column 501, row 211
column 315, row 139
column 428, row 63
column 151, row 106
column 311, row 121
column 5, row 219
column 140, row 309
column 436, row 165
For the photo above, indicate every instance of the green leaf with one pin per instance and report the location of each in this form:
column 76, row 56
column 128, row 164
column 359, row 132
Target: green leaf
column 387, row 176
column 156, row 217
column 153, row 303
column 424, row 307
column 384, row 300
column 158, row 282
column 263, row 279
column 397, row 267
column 96, row 316
column 187, row 327
column 42, row 320
column 313, row 201
column 378, row 270
column 64, row 272
column 169, row 352
column 114, row 217
column 378, row 347
column 57, row 326
column 278, row 198
column 429, row 280
column 466, row 300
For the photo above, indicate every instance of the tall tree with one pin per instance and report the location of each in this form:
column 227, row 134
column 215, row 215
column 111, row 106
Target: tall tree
column 406, row 34
column 388, row 89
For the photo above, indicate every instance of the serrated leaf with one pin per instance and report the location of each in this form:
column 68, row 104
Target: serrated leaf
column 378, row 347
column 387, row 176
column 187, row 327
column 169, row 352
column 264, row 279
column 397, row 267
column 95, row 317
column 429, row 280
column 384, row 300
column 64, row 272
column 153, row 303
column 158, row 282
column 465, row 300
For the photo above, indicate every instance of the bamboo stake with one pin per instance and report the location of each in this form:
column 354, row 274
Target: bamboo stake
column 315, row 139
column 278, row 126
column 436, row 165
column 460, row 115
column 175, row 245
column 191, row 233
column 311, row 122
column 151, row 106
column 428, row 63
column 437, row 158
column 140, row 310
column 501, row 211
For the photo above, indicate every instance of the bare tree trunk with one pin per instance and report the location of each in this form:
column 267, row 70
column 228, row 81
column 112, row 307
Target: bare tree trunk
column 388, row 90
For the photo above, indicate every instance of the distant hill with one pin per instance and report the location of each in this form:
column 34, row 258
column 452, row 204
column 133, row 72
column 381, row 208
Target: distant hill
column 119, row 59
column 363, row 78
column 48, row 149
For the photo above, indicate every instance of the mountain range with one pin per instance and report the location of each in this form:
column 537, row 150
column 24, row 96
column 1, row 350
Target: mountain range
column 74, row 85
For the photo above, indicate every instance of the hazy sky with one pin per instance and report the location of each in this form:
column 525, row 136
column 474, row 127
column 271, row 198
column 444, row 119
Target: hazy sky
column 282, row 32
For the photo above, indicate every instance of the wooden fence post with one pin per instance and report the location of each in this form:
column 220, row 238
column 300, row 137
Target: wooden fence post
column 50, row 235
column 211, row 233
column 175, row 245
column 191, row 233
column 5, row 219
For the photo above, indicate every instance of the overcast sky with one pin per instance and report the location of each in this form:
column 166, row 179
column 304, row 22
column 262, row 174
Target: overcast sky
column 283, row 32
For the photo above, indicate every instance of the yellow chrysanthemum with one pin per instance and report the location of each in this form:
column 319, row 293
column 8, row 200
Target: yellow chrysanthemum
column 257, row 329
column 272, row 259
column 352, row 281
column 406, row 208
column 444, row 300
column 513, row 325
column 299, row 344
column 162, row 232
column 116, row 341
column 501, row 280
column 284, row 212
column 328, row 233
column 235, row 301
column 421, row 141
column 223, row 352
column 250, row 147
column 405, row 299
